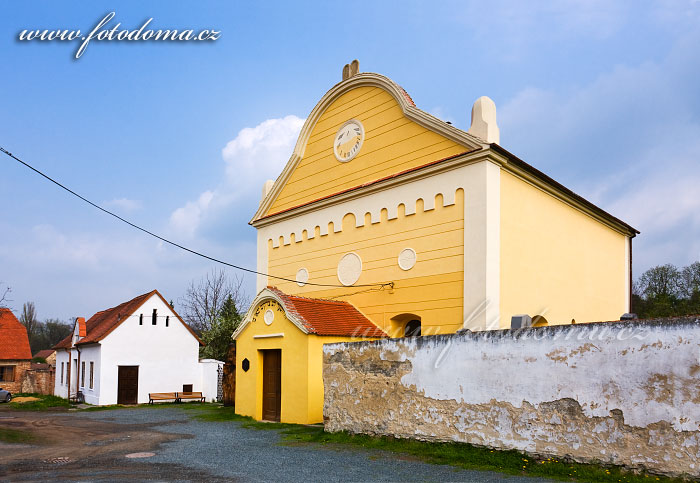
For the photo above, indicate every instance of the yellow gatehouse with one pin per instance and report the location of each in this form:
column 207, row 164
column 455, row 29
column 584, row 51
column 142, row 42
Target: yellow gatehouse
column 416, row 227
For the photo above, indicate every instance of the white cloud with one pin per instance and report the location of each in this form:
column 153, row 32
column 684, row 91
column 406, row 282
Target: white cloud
column 186, row 219
column 253, row 156
column 124, row 204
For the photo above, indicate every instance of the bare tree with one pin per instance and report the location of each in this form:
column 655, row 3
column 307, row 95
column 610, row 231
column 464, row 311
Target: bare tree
column 203, row 300
column 29, row 319
column 4, row 293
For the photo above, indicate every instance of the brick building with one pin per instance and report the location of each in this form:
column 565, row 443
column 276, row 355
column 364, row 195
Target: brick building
column 15, row 354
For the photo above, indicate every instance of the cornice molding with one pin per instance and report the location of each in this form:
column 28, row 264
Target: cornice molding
column 366, row 79
column 538, row 183
column 383, row 185
column 267, row 294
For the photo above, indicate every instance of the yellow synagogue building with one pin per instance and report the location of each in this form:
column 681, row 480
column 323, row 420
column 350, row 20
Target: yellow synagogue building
column 389, row 222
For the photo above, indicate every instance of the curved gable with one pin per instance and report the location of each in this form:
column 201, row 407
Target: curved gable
column 398, row 137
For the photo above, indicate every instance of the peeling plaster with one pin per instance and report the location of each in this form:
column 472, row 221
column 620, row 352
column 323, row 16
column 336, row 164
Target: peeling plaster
column 631, row 398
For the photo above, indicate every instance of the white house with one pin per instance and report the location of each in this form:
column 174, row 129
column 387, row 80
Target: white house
column 122, row 354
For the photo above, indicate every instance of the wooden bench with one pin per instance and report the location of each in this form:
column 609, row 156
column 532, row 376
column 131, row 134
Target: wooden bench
column 162, row 396
column 190, row 395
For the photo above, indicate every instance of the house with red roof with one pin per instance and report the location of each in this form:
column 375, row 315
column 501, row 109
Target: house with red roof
column 121, row 354
column 49, row 355
column 279, row 348
column 15, row 354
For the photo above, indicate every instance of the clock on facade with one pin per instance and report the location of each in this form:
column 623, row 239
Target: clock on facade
column 348, row 140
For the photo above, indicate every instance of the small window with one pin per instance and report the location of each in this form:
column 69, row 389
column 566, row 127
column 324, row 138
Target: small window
column 62, row 369
column 167, row 321
column 7, row 373
column 154, row 317
column 141, row 319
column 412, row 329
column 82, row 373
column 92, row 374
column 187, row 388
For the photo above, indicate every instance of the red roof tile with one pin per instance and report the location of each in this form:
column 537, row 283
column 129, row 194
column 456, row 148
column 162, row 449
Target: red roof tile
column 105, row 321
column 329, row 317
column 45, row 353
column 14, row 343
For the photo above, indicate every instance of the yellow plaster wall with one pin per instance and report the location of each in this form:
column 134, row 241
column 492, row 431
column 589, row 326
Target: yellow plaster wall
column 315, row 413
column 557, row 261
column 392, row 144
column 302, row 366
column 433, row 289
column 295, row 384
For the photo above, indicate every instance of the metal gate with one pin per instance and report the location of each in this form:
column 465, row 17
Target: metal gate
column 219, row 383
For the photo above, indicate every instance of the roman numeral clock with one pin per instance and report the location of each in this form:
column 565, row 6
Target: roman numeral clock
column 348, row 140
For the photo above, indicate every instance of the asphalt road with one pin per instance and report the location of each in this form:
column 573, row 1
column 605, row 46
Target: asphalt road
column 186, row 449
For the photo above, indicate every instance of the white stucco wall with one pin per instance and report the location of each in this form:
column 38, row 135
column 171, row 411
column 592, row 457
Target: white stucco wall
column 90, row 353
column 209, row 374
column 625, row 393
column 61, row 387
column 168, row 357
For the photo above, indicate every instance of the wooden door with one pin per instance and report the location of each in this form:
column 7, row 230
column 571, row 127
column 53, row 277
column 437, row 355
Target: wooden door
column 128, row 385
column 272, row 384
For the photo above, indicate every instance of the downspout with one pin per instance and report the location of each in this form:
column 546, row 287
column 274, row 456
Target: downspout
column 77, row 376
column 629, row 309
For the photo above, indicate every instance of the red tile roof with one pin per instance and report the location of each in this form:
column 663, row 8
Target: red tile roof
column 329, row 317
column 14, row 343
column 105, row 321
column 45, row 353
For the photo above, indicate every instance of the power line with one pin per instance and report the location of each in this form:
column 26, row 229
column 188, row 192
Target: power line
column 194, row 252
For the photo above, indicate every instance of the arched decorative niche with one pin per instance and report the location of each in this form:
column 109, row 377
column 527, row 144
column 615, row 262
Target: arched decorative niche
column 406, row 325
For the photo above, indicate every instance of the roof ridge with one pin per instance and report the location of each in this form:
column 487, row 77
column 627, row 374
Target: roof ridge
column 315, row 299
column 123, row 303
column 338, row 320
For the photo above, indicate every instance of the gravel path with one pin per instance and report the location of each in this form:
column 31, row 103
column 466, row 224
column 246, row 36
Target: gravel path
column 227, row 450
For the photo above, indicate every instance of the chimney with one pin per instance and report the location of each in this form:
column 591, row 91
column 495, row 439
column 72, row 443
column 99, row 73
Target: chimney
column 351, row 69
column 484, row 124
column 520, row 321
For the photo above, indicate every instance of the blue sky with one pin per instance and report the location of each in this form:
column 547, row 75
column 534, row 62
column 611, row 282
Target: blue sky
column 179, row 137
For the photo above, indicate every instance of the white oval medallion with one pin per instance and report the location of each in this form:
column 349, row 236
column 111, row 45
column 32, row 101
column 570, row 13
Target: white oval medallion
column 349, row 268
column 407, row 258
column 302, row 277
column 269, row 316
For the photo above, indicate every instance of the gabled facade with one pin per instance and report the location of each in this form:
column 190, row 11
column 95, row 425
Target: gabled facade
column 468, row 233
column 15, row 354
column 425, row 228
column 122, row 354
column 279, row 356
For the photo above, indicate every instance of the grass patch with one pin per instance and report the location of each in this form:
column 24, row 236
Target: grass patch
column 461, row 455
column 45, row 402
column 11, row 436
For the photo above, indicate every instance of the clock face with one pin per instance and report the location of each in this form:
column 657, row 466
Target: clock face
column 348, row 140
